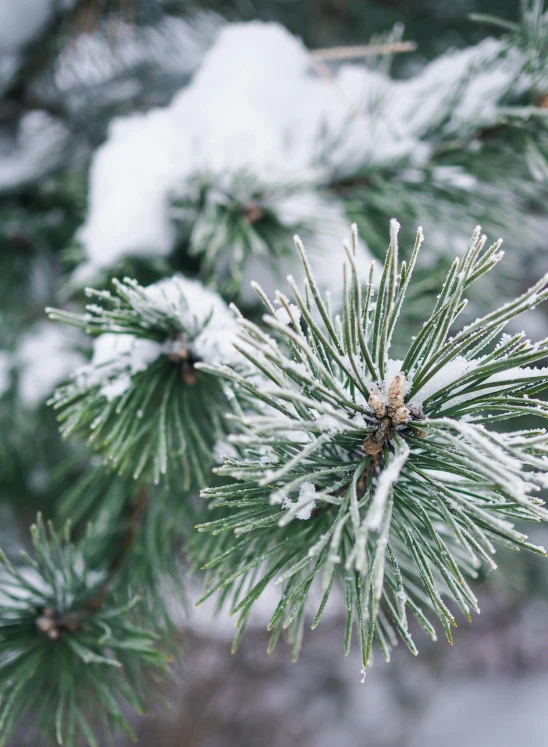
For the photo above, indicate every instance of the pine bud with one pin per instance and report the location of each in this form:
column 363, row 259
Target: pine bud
column 371, row 447
column 400, row 416
column 396, row 392
column 379, row 408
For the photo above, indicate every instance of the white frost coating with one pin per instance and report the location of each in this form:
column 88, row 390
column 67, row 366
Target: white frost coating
column 283, row 317
column 116, row 358
column 500, row 381
column 478, row 436
column 196, row 305
column 45, row 357
column 384, row 484
column 446, row 375
column 305, row 499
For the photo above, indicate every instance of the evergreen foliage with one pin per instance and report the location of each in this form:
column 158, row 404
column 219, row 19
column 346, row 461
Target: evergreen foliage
column 70, row 655
column 382, row 475
column 144, row 418
column 349, row 477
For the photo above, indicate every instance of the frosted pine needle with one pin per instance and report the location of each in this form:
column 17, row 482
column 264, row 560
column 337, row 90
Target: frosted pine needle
column 406, row 484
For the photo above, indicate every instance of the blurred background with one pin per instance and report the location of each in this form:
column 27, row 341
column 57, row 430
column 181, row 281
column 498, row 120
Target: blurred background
column 137, row 134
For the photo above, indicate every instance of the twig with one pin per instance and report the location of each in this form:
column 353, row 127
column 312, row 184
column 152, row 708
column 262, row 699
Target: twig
column 53, row 624
column 361, row 50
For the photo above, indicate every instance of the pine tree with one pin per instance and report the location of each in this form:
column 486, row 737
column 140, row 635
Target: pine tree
column 352, row 446
column 375, row 475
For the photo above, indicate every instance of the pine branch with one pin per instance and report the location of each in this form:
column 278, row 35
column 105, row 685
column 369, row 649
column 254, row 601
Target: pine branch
column 383, row 475
column 141, row 539
column 228, row 221
column 141, row 403
column 70, row 656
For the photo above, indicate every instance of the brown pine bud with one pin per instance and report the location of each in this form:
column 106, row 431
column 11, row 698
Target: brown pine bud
column 370, row 446
column 415, row 411
column 376, row 403
column 400, row 416
column 395, row 393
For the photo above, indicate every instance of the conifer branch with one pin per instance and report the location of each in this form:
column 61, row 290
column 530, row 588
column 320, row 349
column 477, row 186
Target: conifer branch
column 379, row 474
column 141, row 402
column 70, row 656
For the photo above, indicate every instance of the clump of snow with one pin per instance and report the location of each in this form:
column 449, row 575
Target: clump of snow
column 116, row 358
column 210, row 323
column 305, row 501
column 282, row 315
column 210, row 330
column 254, row 107
column 45, row 357
column 257, row 107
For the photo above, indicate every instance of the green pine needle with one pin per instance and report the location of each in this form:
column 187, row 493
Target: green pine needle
column 387, row 476
column 161, row 418
column 70, row 657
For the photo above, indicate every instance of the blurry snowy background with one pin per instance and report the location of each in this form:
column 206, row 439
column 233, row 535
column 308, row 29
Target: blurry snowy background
column 144, row 137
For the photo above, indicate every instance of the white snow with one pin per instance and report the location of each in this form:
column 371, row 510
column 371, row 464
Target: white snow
column 446, row 375
column 462, row 87
column 258, row 108
column 116, row 358
column 305, row 499
column 254, row 107
column 45, row 357
column 197, row 306
column 209, row 323
column 283, row 317
column 513, row 375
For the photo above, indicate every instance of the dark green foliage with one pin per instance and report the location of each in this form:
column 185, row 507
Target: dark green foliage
column 224, row 227
column 168, row 416
column 398, row 533
column 70, row 655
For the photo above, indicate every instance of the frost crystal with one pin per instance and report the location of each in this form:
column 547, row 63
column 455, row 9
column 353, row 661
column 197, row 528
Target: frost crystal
column 305, row 501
